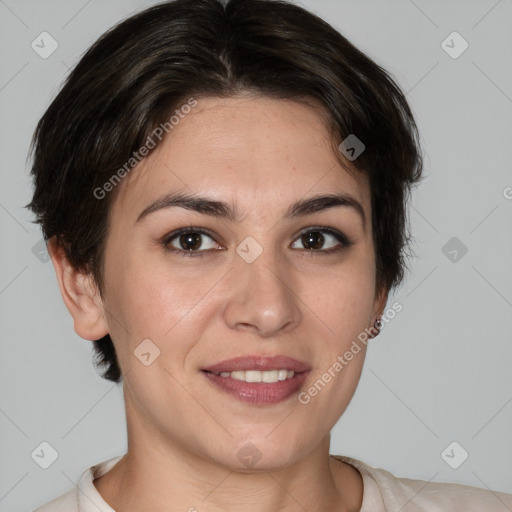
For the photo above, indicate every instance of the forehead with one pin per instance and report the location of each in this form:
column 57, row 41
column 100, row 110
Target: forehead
column 244, row 150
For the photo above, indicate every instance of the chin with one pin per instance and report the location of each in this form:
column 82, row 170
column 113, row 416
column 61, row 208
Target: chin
column 259, row 453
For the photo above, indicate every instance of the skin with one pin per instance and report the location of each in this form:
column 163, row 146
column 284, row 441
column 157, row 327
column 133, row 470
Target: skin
column 260, row 155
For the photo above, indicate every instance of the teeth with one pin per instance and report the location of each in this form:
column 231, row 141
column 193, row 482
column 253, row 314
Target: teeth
column 253, row 376
column 269, row 376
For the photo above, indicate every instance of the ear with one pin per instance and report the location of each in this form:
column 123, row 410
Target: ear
column 381, row 299
column 80, row 294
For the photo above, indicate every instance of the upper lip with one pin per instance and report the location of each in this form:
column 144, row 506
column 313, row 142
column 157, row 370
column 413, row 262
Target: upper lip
column 262, row 363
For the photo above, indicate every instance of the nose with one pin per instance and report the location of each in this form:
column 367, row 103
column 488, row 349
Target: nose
column 262, row 297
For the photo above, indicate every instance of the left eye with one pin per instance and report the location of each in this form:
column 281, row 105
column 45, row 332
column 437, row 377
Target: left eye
column 322, row 239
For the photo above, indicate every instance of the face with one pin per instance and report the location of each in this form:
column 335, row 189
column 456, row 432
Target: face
column 255, row 277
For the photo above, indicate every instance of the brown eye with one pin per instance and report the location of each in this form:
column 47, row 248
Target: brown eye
column 188, row 241
column 322, row 240
column 313, row 240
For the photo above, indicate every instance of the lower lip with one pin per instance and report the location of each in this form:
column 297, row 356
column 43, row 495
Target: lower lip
column 259, row 393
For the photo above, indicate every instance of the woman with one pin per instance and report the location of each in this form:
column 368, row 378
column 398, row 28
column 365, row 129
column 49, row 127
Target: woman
column 224, row 201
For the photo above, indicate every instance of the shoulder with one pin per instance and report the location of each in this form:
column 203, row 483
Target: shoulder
column 384, row 492
column 84, row 497
column 66, row 503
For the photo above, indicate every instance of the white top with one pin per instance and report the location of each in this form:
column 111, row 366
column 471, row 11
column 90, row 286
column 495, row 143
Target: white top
column 382, row 493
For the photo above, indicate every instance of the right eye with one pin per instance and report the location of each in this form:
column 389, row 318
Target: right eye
column 189, row 242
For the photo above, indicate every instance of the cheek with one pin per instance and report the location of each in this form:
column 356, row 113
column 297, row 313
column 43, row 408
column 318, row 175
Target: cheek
column 150, row 300
column 342, row 299
column 340, row 310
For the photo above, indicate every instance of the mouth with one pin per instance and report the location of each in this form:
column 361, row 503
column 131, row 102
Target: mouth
column 258, row 380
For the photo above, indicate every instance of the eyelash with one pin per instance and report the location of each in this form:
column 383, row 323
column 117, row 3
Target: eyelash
column 344, row 241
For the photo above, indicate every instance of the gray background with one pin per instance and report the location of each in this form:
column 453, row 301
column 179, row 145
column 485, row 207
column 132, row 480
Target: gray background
column 438, row 373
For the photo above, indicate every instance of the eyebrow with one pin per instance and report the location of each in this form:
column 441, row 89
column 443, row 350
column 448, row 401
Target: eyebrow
column 223, row 210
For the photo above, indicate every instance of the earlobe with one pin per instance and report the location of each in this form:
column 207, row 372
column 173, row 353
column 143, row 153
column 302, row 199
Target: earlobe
column 380, row 303
column 80, row 294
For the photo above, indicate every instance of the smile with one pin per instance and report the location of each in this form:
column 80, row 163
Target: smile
column 259, row 380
